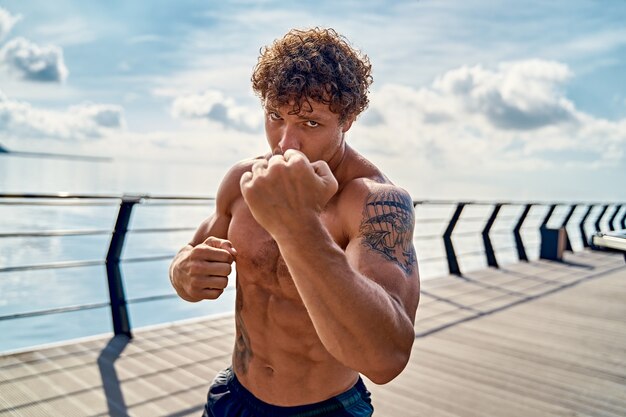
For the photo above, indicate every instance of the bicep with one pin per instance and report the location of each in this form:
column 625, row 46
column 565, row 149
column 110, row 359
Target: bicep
column 400, row 284
column 381, row 247
column 215, row 225
column 228, row 192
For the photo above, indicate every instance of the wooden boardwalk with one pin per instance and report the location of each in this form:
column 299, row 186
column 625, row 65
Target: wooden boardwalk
column 531, row 339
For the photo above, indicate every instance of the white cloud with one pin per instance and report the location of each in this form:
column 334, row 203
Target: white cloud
column 20, row 120
column 33, row 62
column 519, row 95
column 478, row 120
column 7, row 21
column 103, row 115
column 212, row 105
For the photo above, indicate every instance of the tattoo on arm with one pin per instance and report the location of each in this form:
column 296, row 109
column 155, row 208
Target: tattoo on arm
column 387, row 227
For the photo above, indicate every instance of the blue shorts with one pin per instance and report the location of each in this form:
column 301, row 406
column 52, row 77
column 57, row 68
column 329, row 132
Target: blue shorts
column 228, row 398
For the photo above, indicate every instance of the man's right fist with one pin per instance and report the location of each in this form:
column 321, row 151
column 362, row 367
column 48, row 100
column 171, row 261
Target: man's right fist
column 201, row 272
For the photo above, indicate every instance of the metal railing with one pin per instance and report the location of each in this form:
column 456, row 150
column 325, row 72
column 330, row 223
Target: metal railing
column 452, row 257
column 118, row 303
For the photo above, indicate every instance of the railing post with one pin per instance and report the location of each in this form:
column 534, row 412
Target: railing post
column 453, row 265
column 600, row 216
column 519, row 243
column 552, row 240
column 568, row 244
column 489, row 252
column 582, row 226
column 119, row 309
column 548, row 215
column 612, row 219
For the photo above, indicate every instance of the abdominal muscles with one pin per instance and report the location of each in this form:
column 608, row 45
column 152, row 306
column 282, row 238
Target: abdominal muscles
column 278, row 355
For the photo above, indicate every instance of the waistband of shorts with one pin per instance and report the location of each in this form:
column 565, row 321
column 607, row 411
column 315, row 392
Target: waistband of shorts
column 340, row 402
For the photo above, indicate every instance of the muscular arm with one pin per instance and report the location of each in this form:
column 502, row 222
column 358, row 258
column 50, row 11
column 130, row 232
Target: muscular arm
column 194, row 252
column 199, row 269
column 362, row 301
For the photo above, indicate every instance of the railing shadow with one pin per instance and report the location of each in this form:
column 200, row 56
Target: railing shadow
column 507, row 291
column 110, row 381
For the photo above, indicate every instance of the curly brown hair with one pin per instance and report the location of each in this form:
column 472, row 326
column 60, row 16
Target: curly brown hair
column 317, row 64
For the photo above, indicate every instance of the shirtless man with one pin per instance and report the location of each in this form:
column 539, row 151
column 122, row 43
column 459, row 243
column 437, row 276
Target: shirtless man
column 327, row 280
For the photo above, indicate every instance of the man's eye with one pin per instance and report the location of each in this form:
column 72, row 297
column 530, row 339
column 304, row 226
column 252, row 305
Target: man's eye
column 274, row 116
column 312, row 123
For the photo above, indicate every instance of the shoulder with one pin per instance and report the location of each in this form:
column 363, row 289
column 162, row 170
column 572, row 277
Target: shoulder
column 379, row 222
column 229, row 189
column 367, row 193
column 371, row 202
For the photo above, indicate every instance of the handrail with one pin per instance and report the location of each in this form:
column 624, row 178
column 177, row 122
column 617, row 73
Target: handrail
column 59, row 203
column 56, row 233
column 118, row 301
column 103, row 196
column 82, row 264
column 53, row 265
column 513, row 203
column 40, row 196
column 211, row 198
column 92, row 306
column 57, row 310
column 94, row 232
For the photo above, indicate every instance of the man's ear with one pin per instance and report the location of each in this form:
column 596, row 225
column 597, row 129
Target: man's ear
column 347, row 124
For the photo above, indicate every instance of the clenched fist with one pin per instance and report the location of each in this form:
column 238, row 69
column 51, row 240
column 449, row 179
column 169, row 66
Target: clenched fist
column 201, row 273
column 284, row 191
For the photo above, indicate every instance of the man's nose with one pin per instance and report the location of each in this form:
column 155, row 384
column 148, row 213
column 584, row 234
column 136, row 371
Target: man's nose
column 289, row 140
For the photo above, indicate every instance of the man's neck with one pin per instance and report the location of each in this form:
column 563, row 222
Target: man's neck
column 337, row 163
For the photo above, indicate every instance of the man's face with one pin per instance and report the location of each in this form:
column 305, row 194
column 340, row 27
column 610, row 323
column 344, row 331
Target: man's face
column 316, row 133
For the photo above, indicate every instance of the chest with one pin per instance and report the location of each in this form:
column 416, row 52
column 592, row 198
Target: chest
column 258, row 258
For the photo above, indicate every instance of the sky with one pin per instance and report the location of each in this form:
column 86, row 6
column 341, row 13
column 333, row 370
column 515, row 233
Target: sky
column 470, row 100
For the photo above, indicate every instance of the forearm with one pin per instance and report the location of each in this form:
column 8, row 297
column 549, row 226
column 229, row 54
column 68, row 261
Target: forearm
column 358, row 322
column 174, row 273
